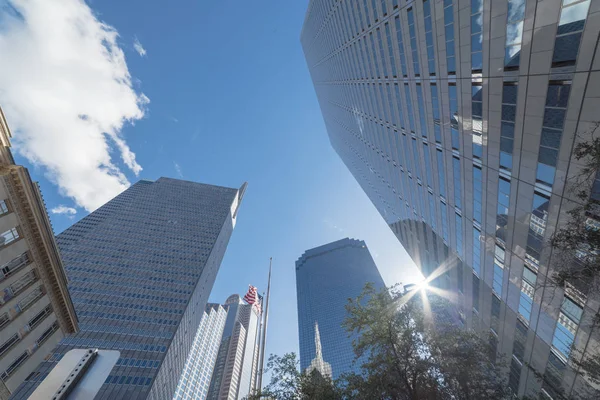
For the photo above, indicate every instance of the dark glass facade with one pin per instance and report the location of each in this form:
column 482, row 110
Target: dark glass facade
column 326, row 277
column 141, row 269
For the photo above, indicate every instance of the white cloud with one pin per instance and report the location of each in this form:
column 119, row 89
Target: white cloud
column 178, row 169
column 138, row 47
column 67, row 92
column 64, row 210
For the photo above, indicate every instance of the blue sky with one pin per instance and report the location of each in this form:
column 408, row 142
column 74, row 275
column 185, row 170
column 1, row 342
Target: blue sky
column 218, row 92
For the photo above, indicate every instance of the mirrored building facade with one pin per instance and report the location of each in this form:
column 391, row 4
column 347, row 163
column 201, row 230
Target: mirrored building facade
column 458, row 118
column 326, row 277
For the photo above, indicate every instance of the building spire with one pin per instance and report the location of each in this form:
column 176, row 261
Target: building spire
column 318, row 363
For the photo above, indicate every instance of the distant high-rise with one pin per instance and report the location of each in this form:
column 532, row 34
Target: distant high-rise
column 326, row 277
column 459, row 118
column 141, row 268
column 237, row 360
column 36, row 311
column 195, row 379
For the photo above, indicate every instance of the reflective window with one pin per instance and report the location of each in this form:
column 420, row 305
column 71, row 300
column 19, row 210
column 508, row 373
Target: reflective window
column 554, row 116
column 441, row 172
column 476, row 35
column 400, row 45
column 514, row 33
column 537, row 229
column 507, row 131
column 566, row 327
column 459, row 236
column 477, row 194
column 453, row 99
column 382, row 53
column 553, row 377
column 413, row 41
column 449, row 30
column 457, row 182
column 428, row 165
column 432, row 212
column 477, row 107
column 421, row 105
column 436, row 113
column 445, row 233
column 526, row 300
column 429, row 36
column 390, row 46
column 416, row 158
column 399, row 108
column 570, row 29
column 497, row 283
column 409, row 108
column 383, row 7
column 372, row 55
column 475, row 293
column 502, row 210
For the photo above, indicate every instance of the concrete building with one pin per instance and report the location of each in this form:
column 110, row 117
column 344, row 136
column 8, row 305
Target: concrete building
column 36, row 311
column 237, row 360
column 458, row 118
column 141, row 268
column 326, row 277
column 198, row 370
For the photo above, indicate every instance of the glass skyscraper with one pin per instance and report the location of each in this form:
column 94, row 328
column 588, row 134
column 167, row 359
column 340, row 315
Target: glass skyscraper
column 326, row 277
column 140, row 271
column 195, row 379
column 458, row 118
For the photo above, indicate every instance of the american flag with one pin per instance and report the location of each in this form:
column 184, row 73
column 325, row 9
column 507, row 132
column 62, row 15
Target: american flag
column 252, row 297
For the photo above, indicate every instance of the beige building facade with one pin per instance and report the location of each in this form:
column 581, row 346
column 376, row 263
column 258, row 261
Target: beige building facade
column 36, row 311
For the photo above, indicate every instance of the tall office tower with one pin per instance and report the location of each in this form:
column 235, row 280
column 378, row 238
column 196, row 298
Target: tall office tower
column 326, row 277
column 237, row 360
column 36, row 311
column 458, row 119
column 194, row 381
column 141, row 268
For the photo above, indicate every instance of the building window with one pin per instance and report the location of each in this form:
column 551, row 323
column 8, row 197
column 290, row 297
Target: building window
column 421, row 105
column 445, row 234
column 507, row 125
column 514, row 34
column 441, row 172
column 502, row 210
column 553, row 376
column 514, row 376
column 557, row 100
column 526, row 300
column 476, row 293
column 459, row 236
column 3, row 207
column 428, row 165
column 477, row 194
column 566, row 327
column 390, row 46
column 477, row 251
column 14, row 365
column 435, row 108
column 400, row 45
column 429, row 36
column 449, row 30
column 4, row 347
column 399, row 108
column 497, row 284
column 13, row 266
column 453, row 99
column 570, row 29
column 413, row 41
column 477, row 116
column 537, row 229
column 476, row 35
column 432, row 212
column 409, row 108
column 381, row 53
column 9, row 236
column 457, row 182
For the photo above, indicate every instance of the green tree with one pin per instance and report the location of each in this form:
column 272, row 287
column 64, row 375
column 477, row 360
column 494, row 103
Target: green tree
column 411, row 355
column 288, row 383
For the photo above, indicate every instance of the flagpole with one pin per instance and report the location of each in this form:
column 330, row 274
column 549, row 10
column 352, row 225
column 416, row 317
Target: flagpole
column 264, row 331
